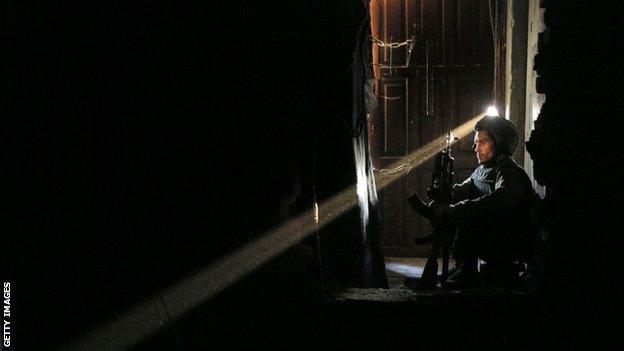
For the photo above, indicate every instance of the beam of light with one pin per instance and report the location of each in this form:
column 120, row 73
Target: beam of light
column 492, row 111
column 423, row 153
column 162, row 309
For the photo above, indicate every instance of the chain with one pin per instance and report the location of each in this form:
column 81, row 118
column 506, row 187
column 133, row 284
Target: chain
column 392, row 45
column 392, row 171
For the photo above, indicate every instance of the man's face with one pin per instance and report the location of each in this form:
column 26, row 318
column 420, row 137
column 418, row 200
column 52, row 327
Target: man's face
column 484, row 146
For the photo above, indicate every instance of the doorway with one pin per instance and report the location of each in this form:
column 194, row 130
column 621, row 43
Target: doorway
column 436, row 65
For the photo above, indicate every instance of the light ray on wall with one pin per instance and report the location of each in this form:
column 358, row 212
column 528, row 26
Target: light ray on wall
column 162, row 309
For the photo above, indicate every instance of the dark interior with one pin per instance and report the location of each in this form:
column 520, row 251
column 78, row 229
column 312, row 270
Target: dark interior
column 142, row 141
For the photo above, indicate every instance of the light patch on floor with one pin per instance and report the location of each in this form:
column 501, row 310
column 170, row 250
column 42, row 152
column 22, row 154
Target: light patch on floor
column 399, row 268
column 405, row 270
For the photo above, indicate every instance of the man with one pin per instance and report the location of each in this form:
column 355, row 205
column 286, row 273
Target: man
column 491, row 209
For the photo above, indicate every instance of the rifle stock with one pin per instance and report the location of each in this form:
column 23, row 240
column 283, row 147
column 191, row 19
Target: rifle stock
column 429, row 277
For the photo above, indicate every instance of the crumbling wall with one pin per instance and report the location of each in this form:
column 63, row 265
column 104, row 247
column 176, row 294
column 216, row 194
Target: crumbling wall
column 573, row 148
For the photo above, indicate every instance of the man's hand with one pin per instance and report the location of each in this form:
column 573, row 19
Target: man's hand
column 420, row 207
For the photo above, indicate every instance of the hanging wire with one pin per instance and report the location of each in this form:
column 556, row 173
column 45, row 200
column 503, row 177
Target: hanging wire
column 366, row 19
column 353, row 61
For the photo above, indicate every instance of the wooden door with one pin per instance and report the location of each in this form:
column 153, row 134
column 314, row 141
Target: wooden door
column 448, row 80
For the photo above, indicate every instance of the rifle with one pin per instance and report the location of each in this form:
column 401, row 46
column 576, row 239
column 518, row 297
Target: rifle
column 440, row 190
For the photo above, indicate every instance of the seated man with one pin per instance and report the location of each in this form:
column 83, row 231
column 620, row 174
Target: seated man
column 492, row 207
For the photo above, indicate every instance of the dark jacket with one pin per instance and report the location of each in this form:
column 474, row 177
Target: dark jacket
column 493, row 210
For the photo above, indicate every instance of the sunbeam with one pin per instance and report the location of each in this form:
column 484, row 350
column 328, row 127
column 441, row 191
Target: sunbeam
column 160, row 310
